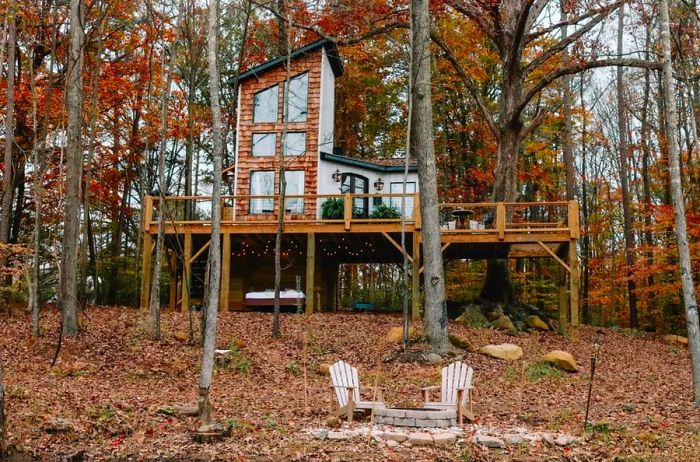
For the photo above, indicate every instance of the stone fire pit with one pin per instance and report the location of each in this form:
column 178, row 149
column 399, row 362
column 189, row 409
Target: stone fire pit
column 416, row 417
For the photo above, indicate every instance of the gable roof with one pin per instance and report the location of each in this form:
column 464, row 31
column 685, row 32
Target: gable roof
column 395, row 165
column 331, row 52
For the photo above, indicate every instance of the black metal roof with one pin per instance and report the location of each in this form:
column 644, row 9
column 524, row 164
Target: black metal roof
column 377, row 165
column 331, row 52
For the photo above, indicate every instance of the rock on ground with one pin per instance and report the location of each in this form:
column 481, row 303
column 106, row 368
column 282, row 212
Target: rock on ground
column 444, row 439
column 472, row 316
column 489, row 441
column 534, row 322
column 505, row 351
column 420, row 439
column 562, row 360
column 504, row 323
column 395, row 334
column 676, row 339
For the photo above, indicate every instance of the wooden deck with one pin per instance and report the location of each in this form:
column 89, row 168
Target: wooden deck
column 468, row 230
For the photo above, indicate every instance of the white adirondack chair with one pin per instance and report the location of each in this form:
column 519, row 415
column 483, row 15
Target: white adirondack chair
column 455, row 391
column 346, row 387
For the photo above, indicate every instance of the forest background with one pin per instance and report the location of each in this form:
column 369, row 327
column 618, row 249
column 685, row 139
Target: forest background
column 616, row 156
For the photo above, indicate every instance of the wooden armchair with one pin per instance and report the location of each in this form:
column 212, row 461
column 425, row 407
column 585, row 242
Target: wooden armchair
column 455, row 391
column 346, row 388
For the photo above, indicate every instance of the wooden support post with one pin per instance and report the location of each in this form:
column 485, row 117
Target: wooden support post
column 573, row 220
column 574, row 288
column 501, row 220
column 146, row 270
column 415, row 280
column 172, row 270
column 417, row 220
column 187, row 273
column 310, row 271
column 225, row 271
column 347, row 211
column 563, row 303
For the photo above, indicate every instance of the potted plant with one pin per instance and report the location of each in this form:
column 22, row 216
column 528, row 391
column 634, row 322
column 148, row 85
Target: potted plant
column 385, row 211
column 332, row 208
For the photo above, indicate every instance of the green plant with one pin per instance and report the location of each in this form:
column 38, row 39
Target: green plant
column 244, row 365
column 333, row 208
column 541, row 370
column 628, row 407
column 293, row 368
column 384, row 211
column 510, row 373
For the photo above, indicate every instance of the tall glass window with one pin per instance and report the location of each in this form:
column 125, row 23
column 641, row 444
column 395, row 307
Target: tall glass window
column 294, row 144
column 298, row 98
column 262, row 183
column 265, row 105
column 295, row 187
column 264, row 144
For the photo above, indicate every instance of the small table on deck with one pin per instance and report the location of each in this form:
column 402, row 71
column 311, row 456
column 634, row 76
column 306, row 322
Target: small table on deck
column 462, row 217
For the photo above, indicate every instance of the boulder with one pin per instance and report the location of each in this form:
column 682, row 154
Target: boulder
column 433, row 358
column 395, row 334
column 504, row 323
column 505, row 351
column 534, row 322
column 489, row 441
column 676, row 339
column 461, row 342
column 561, row 360
column 181, row 336
column 472, row 317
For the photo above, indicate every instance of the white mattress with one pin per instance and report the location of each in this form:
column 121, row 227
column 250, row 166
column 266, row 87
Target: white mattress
column 285, row 293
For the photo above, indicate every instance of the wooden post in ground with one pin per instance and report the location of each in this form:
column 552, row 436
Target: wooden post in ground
column 310, row 271
column 187, row 273
column 563, row 302
column 574, row 288
column 172, row 271
column 415, row 279
column 146, row 270
column 225, row 269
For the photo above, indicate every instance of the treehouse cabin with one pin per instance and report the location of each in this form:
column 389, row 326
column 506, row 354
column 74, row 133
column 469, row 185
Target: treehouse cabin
column 337, row 209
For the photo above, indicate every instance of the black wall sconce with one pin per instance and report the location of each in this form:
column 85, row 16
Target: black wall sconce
column 379, row 184
column 336, row 175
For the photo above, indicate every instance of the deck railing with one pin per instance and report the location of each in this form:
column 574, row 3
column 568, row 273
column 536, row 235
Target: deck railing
column 499, row 218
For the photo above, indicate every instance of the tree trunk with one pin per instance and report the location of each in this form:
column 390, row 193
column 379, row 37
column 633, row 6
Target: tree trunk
column 37, row 193
column 153, row 318
column 624, row 178
column 212, row 304
column 8, row 175
column 74, row 163
column 586, row 241
column 2, row 410
column 285, row 49
column 567, row 141
column 423, row 149
column 691, row 307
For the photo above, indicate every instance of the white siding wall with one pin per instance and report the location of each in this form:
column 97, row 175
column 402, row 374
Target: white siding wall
column 326, row 185
column 327, row 113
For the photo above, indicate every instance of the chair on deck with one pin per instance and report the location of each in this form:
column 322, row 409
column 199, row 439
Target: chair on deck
column 346, row 385
column 455, row 391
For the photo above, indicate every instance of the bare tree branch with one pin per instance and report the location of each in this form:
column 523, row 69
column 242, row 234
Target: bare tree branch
column 468, row 82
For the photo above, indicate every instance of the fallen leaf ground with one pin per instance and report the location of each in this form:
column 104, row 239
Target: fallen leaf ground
column 112, row 389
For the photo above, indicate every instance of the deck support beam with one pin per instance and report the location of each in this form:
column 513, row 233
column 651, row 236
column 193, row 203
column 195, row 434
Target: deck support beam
column 225, row 271
column 186, row 273
column 310, row 271
column 415, row 278
column 146, row 270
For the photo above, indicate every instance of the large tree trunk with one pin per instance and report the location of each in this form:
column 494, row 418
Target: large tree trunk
column 153, row 318
column 212, row 303
column 685, row 263
column 8, row 175
column 567, row 135
column 285, row 49
column 423, row 149
column 586, row 240
column 624, row 177
column 2, row 411
column 74, row 163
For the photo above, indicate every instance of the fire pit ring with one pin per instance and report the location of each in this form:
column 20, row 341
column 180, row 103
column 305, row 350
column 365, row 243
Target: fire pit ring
column 416, row 417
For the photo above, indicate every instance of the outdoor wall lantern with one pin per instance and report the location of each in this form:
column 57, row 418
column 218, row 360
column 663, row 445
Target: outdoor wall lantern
column 336, row 175
column 379, row 184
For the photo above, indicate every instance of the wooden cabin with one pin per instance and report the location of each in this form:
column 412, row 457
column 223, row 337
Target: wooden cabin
column 338, row 209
